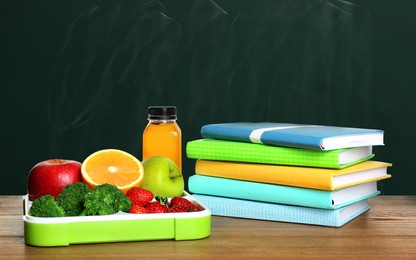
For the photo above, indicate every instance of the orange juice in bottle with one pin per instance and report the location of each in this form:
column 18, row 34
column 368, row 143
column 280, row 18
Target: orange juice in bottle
column 162, row 135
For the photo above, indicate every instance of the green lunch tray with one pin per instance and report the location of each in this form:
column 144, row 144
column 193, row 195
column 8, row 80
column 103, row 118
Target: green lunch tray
column 119, row 227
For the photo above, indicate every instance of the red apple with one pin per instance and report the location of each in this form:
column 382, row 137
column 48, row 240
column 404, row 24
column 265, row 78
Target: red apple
column 51, row 176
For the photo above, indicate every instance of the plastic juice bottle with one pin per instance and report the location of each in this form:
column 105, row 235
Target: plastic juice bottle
column 162, row 135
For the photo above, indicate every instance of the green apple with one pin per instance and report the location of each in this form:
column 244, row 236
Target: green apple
column 162, row 177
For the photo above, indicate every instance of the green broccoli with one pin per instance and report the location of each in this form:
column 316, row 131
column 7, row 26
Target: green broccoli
column 106, row 199
column 72, row 198
column 46, row 207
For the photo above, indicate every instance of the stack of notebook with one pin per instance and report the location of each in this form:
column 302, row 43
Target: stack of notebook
column 309, row 174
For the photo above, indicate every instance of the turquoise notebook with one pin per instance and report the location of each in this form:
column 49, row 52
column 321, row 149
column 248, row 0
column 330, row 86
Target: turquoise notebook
column 295, row 135
column 227, row 207
column 281, row 194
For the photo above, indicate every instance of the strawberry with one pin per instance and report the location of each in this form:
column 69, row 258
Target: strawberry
column 182, row 201
column 136, row 209
column 139, row 196
column 156, row 207
column 179, row 208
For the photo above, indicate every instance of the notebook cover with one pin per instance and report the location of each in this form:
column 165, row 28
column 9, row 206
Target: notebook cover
column 307, row 177
column 272, row 193
column 221, row 150
column 229, row 207
column 290, row 135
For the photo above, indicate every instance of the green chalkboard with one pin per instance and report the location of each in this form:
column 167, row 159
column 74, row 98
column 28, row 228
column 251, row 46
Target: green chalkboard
column 78, row 76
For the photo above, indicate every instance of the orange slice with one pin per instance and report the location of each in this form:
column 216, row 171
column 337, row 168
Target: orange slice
column 112, row 166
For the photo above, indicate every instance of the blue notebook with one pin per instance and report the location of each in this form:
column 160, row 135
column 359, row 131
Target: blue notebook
column 228, row 207
column 295, row 135
column 273, row 193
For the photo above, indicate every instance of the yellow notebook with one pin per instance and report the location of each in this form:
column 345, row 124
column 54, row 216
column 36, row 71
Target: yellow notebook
column 306, row 177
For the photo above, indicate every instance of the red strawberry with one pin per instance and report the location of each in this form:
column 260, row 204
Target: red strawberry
column 139, row 196
column 156, row 207
column 136, row 209
column 179, row 208
column 182, row 201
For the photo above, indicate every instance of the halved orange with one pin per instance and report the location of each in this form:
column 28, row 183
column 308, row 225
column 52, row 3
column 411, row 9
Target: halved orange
column 112, row 166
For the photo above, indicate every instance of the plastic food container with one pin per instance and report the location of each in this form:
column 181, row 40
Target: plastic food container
column 119, row 227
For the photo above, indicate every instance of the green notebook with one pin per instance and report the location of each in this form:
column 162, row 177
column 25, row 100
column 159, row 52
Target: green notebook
column 221, row 150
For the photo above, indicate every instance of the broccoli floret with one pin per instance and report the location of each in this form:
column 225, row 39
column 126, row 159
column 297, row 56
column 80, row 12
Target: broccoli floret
column 46, row 207
column 106, row 199
column 72, row 198
column 78, row 200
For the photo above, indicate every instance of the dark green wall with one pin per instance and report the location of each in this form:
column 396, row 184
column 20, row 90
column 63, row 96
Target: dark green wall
column 77, row 76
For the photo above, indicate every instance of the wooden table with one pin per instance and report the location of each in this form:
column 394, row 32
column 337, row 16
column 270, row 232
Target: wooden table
column 386, row 231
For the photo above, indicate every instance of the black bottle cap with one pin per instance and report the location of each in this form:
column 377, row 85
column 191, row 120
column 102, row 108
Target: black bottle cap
column 162, row 112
